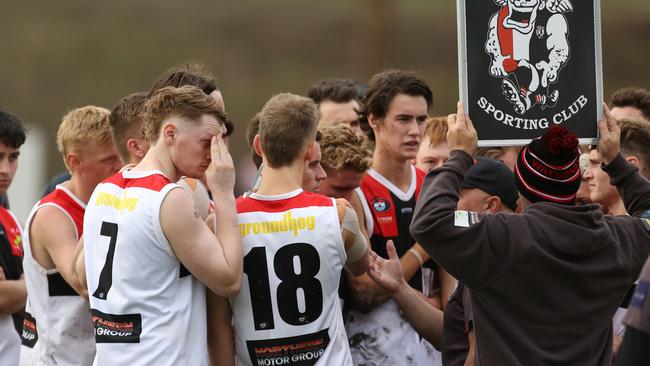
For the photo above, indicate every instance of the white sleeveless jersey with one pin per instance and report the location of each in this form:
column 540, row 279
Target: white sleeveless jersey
column 57, row 329
column 288, row 311
column 147, row 308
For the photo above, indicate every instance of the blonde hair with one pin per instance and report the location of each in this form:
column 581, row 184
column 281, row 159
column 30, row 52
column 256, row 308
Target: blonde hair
column 342, row 148
column 187, row 102
column 89, row 125
column 436, row 130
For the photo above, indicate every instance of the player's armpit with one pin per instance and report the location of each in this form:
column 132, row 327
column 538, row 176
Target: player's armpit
column 217, row 264
column 221, row 345
column 54, row 243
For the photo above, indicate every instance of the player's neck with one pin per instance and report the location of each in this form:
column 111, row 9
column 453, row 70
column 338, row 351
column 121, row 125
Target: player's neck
column 77, row 187
column 394, row 170
column 276, row 181
column 158, row 160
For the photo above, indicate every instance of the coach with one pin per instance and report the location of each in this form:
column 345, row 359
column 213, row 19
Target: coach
column 545, row 283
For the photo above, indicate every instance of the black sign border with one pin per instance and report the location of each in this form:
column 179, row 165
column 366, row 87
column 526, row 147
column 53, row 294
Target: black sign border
column 462, row 74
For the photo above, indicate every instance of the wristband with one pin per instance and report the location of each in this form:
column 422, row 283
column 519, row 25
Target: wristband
column 417, row 256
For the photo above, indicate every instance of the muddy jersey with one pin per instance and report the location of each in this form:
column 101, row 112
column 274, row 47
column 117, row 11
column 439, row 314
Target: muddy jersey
column 383, row 336
column 147, row 308
column 288, row 311
column 56, row 317
column 11, row 255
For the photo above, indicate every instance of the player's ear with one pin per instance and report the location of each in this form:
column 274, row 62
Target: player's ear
column 257, row 145
column 72, row 161
column 374, row 121
column 169, row 131
column 135, row 148
column 309, row 151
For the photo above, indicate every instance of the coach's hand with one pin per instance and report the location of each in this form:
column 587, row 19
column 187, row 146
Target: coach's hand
column 461, row 134
column 609, row 143
column 220, row 175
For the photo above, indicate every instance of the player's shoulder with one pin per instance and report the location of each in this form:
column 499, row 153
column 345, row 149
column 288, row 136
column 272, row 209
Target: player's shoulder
column 130, row 179
column 303, row 199
column 51, row 218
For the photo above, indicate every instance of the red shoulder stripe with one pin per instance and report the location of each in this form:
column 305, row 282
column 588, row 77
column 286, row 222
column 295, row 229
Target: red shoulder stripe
column 419, row 179
column 304, row 199
column 12, row 231
column 154, row 182
column 61, row 198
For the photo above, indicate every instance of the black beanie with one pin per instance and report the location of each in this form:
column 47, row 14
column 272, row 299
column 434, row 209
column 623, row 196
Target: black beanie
column 548, row 168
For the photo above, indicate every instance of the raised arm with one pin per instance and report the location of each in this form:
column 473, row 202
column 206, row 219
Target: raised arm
column 216, row 261
column 460, row 241
column 632, row 186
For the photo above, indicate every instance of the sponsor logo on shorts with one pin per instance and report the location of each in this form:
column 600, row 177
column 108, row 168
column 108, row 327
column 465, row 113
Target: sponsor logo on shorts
column 29, row 336
column 304, row 350
column 112, row 328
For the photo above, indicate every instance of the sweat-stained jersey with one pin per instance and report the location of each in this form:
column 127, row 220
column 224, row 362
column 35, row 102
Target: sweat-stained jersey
column 57, row 329
column 288, row 311
column 382, row 336
column 147, row 309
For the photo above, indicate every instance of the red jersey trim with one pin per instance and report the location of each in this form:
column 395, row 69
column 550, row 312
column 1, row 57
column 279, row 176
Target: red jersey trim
column 154, row 182
column 59, row 197
column 12, row 231
column 382, row 206
column 304, row 199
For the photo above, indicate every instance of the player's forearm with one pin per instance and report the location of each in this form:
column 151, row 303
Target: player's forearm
column 68, row 271
column 365, row 294
column 13, row 295
column 79, row 270
column 227, row 231
column 220, row 334
column 424, row 317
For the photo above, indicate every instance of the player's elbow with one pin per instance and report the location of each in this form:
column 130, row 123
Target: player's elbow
column 418, row 229
column 229, row 286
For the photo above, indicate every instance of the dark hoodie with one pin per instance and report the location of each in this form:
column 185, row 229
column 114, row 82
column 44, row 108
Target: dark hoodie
column 545, row 283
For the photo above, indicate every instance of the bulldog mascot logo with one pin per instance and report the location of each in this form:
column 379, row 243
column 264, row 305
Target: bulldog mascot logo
column 527, row 42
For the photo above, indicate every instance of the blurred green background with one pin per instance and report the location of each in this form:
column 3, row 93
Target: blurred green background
column 64, row 54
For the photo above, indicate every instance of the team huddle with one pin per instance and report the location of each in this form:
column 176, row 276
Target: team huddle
column 371, row 235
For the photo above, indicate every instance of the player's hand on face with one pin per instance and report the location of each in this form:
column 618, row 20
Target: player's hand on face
column 2, row 274
column 220, row 175
column 461, row 134
column 386, row 273
column 610, row 137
